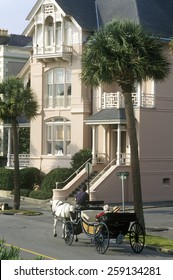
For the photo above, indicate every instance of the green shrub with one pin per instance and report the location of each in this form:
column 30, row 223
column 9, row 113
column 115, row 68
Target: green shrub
column 3, row 161
column 29, row 177
column 56, row 175
column 6, row 179
column 80, row 158
column 8, row 253
column 24, row 192
column 49, row 183
column 11, row 253
column 41, row 194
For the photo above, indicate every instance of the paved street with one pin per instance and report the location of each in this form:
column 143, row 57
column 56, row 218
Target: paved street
column 33, row 234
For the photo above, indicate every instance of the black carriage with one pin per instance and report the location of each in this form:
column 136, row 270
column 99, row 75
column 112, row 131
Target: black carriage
column 108, row 226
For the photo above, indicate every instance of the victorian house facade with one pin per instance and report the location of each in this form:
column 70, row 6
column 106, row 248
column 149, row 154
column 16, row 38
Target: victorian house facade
column 14, row 53
column 72, row 116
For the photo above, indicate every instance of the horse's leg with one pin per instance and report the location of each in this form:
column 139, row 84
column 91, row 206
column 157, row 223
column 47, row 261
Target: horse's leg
column 63, row 225
column 54, row 227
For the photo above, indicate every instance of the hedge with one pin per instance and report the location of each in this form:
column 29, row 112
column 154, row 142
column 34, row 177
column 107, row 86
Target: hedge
column 6, row 179
column 29, row 177
column 49, row 182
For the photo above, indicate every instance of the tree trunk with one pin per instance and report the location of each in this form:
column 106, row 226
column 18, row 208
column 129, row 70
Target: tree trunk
column 16, row 164
column 135, row 167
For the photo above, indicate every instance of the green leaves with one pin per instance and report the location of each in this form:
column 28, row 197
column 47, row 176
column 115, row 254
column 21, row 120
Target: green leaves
column 123, row 52
column 16, row 100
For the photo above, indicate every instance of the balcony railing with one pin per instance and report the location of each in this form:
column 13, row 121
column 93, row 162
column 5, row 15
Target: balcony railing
column 58, row 101
column 23, row 160
column 54, row 52
column 116, row 100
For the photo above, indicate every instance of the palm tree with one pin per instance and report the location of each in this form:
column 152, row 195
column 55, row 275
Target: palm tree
column 123, row 52
column 16, row 101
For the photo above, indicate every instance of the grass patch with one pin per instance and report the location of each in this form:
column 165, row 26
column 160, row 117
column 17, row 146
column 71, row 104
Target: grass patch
column 159, row 242
column 21, row 212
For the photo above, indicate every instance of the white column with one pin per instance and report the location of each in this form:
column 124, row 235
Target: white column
column 119, row 145
column 9, row 147
column 153, row 93
column 54, row 36
column 43, row 38
column 93, row 144
column 139, row 95
column 104, row 141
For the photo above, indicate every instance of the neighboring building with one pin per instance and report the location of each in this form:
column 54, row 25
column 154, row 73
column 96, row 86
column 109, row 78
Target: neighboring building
column 72, row 116
column 14, row 53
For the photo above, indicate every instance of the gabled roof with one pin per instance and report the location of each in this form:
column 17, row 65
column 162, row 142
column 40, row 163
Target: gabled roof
column 83, row 11
column 112, row 115
column 15, row 40
column 155, row 15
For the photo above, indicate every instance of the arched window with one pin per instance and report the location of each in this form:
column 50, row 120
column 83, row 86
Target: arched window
column 49, row 36
column 58, row 92
column 58, row 136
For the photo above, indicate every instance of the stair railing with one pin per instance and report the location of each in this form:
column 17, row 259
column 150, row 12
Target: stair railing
column 73, row 175
column 103, row 171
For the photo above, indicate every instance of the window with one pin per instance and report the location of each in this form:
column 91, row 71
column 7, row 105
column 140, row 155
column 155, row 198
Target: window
column 49, row 36
column 58, row 88
column 58, row 136
column 166, row 181
column 58, row 34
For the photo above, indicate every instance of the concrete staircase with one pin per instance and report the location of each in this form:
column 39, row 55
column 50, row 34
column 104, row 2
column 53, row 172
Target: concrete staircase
column 72, row 195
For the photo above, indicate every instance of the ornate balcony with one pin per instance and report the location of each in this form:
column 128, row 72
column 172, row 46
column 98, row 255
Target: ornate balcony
column 116, row 100
column 47, row 53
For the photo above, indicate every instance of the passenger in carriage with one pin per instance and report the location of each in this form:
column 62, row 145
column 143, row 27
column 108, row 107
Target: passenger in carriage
column 82, row 198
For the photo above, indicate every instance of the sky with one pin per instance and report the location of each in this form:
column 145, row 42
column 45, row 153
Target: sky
column 13, row 14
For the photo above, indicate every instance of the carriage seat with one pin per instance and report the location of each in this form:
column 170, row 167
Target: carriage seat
column 89, row 215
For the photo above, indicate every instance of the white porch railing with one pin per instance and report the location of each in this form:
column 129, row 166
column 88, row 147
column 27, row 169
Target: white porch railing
column 116, row 100
column 124, row 158
column 41, row 50
column 23, row 160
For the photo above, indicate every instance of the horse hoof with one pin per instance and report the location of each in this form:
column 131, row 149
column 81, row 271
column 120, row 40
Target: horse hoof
column 55, row 235
column 62, row 237
column 76, row 240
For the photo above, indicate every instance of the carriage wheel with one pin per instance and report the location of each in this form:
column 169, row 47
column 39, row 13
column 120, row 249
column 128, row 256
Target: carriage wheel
column 137, row 237
column 68, row 233
column 101, row 238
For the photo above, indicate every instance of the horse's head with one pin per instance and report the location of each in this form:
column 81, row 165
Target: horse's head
column 54, row 204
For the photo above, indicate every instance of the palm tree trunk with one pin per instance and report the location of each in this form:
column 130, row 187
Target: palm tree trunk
column 16, row 164
column 135, row 167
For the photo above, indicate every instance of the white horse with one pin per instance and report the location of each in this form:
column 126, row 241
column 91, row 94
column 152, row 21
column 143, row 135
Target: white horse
column 61, row 211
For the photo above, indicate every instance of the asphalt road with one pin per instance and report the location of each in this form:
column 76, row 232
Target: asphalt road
column 34, row 236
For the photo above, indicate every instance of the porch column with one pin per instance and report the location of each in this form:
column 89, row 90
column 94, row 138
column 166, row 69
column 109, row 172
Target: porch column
column 94, row 144
column 9, row 147
column 104, row 141
column 139, row 95
column 119, row 145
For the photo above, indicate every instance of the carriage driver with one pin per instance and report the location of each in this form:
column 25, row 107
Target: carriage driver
column 82, row 197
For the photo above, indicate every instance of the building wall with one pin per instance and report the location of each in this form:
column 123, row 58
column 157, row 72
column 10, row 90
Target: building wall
column 12, row 59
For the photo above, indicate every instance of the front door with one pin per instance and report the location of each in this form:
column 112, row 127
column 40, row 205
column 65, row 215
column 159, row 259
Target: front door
column 118, row 145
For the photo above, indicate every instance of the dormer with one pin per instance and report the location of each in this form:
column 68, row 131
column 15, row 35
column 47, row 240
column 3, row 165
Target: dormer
column 52, row 31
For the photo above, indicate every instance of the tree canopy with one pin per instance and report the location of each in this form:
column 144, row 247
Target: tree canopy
column 16, row 101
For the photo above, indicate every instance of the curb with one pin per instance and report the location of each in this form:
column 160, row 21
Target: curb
column 157, row 249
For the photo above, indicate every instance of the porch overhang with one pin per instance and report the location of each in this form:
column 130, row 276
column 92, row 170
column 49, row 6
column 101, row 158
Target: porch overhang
column 107, row 116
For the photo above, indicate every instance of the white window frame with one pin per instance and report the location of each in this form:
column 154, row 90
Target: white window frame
column 59, row 145
column 56, row 79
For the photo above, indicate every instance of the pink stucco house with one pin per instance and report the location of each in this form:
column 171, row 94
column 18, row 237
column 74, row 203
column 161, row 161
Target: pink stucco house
column 72, row 117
